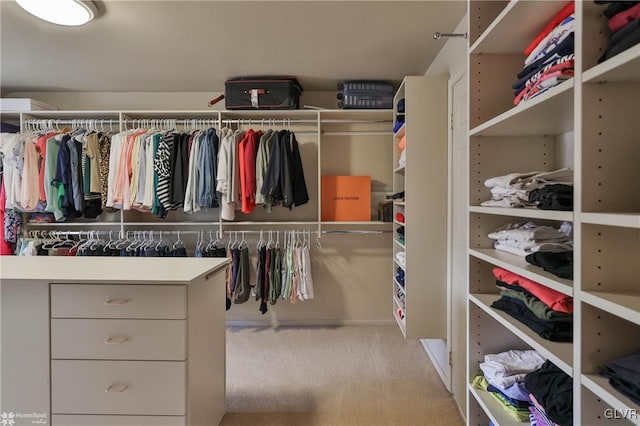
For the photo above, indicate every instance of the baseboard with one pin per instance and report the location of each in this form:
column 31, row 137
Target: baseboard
column 305, row 323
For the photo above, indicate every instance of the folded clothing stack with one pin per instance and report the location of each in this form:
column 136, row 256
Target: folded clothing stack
column 624, row 375
column 400, row 232
column 551, row 392
column 550, row 59
column 400, row 276
column 624, row 23
column 503, row 377
column 547, row 312
column 544, row 190
column 523, row 239
column 401, row 257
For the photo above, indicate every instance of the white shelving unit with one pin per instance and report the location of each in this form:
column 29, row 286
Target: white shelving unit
column 590, row 124
column 425, row 244
column 319, row 133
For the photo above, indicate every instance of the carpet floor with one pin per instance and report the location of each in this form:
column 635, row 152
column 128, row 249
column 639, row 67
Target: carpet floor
column 332, row 376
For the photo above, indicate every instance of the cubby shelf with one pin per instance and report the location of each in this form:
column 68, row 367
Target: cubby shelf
column 625, row 304
column 425, row 248
column 547, row 114
column 492, row 408
column 625, row 220
column 624, row 406
column 561, row 354
column 622, row 67
column 520, row 266
column 524, row 212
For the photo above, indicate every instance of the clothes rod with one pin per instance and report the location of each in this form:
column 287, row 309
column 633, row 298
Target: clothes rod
column 438, row 36
column 57, row 233
column 68, row 121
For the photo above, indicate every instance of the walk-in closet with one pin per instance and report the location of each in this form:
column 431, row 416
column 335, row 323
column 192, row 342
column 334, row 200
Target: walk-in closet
column 328, row 213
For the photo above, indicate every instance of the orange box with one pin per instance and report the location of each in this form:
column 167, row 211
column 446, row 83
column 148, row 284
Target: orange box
column 346, row 198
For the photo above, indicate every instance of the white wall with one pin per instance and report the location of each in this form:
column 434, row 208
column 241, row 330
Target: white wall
column 452, row 61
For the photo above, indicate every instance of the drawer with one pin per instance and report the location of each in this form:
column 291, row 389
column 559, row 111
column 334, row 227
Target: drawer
column 78, row 420
column 118, row 301
column 164, row 340
column 153, row 388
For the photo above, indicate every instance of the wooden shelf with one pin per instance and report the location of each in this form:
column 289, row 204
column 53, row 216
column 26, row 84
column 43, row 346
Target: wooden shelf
column 548, row 114
column 516, row 26
column 625, row 220
column 561, row 354
column 520, row 266
column 624, row 304
column 623, row 405
column 496, row 412
column 524, row 212
column 623, row 67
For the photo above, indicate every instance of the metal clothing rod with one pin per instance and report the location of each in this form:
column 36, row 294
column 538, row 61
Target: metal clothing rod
column 438, row 36
column 75, row 121
column 56, row 233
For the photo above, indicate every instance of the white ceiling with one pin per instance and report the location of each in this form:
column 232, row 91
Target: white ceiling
column 192, row 46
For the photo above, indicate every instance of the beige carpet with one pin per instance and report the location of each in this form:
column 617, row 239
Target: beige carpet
column 342, row 376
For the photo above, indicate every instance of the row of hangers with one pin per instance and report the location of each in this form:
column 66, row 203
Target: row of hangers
column 133, row 240
column 104, row 126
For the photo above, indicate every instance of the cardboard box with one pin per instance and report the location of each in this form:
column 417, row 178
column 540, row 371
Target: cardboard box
column 346, row 198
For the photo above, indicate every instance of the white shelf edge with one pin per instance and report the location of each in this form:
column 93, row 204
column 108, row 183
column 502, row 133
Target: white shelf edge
column 525, row 333
column 400, row 169
column 400, row 131
column 398, row 223
column 399, row 243
column 601, row 387
column 519, row 266
column 619, row 61
column 399, row 286
column 606, row 301
column 523, row 107
column 398, row 302
column 566, row 216
column 399, row 203
column 625, row 220
column 496, row 22
column 398, row 263
column 363, row 223
column 401, row 323
column 492, row 408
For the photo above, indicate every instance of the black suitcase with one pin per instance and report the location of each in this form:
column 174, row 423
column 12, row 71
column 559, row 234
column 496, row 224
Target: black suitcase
column 264, row 92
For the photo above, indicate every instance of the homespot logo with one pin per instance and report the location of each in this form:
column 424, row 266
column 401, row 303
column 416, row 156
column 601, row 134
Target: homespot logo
column 10, row 418
column 7, row 419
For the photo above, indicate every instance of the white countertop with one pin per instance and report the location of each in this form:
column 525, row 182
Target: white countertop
column 109, row 270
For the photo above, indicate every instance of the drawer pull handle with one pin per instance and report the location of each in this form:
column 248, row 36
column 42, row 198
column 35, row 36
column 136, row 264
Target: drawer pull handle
column 116, row 388
column 116, row 340
column 116, row 302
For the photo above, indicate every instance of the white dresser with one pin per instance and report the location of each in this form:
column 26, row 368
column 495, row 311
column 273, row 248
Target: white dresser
column 112, row 341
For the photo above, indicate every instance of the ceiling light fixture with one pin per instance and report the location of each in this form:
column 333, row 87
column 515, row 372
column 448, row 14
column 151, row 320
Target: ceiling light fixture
column 61, row 12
